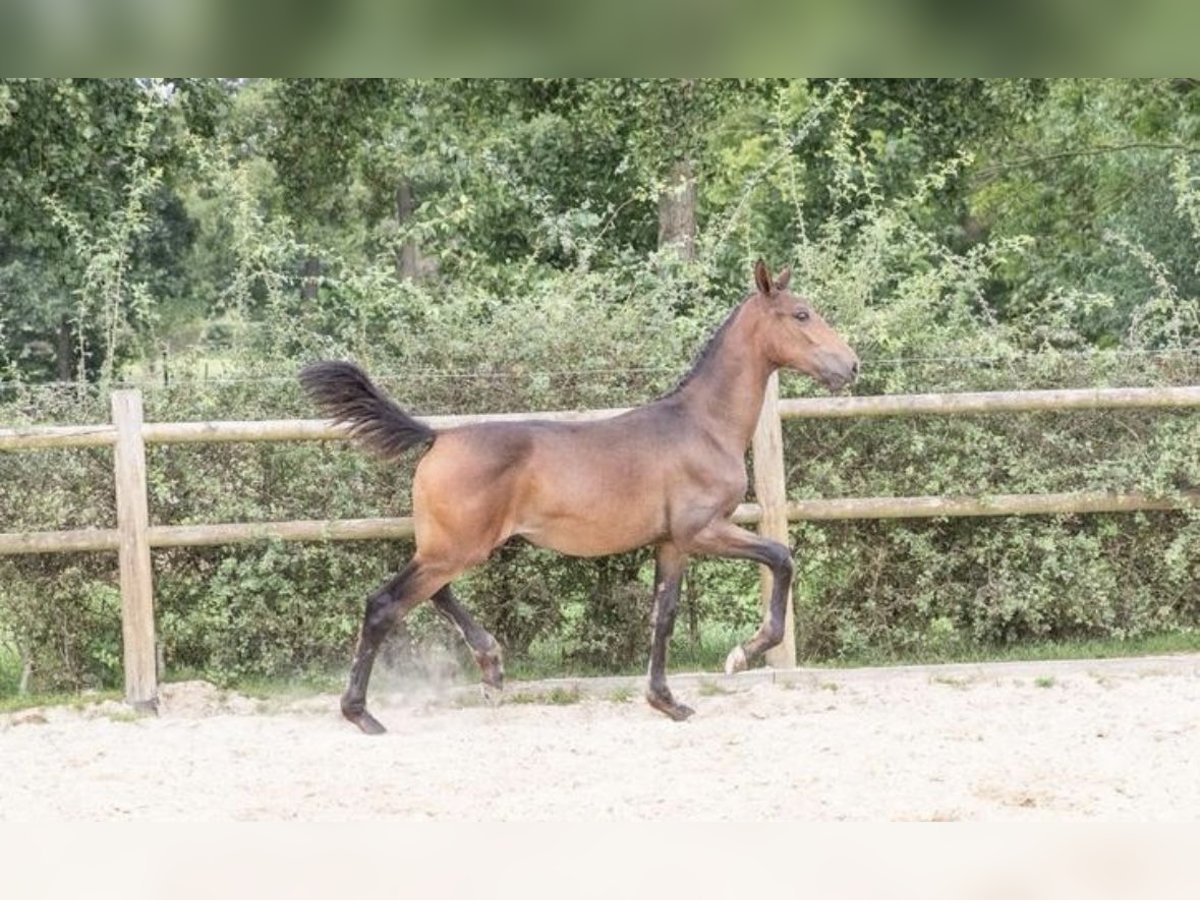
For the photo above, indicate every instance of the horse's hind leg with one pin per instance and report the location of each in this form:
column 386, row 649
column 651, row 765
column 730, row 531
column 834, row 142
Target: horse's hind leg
column 415, row 583
column 485, row 647
column 669, row 566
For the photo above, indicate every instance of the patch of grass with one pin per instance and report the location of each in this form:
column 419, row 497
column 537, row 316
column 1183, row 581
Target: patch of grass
column 957, row 682
column 10, row 672
column 302, row 684
column 1045, row 681
column 548, row 658
column 712, row 689
column 620, row 695
column 563, row 696
column 123, row 715
column 470, row 700
column 1153, row 673
column 1109, row 648
column 32, row 718
column 558, row 696
column 16, row 702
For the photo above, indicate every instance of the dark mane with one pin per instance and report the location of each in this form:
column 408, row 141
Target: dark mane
column 707, row 351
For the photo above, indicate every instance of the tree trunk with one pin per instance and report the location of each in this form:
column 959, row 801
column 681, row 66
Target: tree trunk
column 310, row 278
column 63, row 357
column 677, row 211
column 26, row 675
column 407, row 257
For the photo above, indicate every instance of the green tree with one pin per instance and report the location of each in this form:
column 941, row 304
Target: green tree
column 88, row 212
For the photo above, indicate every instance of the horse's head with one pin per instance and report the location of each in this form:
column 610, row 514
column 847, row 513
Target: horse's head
column 792, row 334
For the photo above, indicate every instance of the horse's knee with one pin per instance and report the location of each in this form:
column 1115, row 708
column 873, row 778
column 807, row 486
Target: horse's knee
column 782, row 566
column 381, row 612
column 408, row 588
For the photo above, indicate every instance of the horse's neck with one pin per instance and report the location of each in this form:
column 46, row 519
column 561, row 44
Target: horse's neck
column 725, row 393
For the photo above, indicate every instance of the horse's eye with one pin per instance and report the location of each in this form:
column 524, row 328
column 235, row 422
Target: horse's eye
column 801, row 315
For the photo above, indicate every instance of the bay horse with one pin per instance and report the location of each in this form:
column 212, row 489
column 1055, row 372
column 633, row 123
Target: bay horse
column 669, row 473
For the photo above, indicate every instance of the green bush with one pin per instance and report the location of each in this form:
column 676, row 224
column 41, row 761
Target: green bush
column 907, row 590
column 601, row 325
column 276, row 610
column 899, row 588
column 61, row 617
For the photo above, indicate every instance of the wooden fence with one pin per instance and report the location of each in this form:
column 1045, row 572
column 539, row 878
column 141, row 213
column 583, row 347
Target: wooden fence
column 134, row 536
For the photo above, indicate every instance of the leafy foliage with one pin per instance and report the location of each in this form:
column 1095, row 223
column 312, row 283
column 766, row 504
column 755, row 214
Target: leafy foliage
column 492, row 246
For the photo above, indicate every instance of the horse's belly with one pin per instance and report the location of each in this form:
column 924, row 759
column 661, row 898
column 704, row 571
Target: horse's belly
column 576, row 541
column 592, row 525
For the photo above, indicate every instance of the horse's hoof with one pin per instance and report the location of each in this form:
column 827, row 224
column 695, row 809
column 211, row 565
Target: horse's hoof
column 491, row 669
column 736, row 661
column 668, row 707
column 369, row 724
column 680, row 712
column 492, row 693
column 366, row 722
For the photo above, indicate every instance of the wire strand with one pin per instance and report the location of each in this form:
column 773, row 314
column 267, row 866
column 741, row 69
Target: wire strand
column 466, row 374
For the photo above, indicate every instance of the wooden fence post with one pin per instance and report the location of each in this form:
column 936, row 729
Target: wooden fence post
column 133, row 521
column 770, row 487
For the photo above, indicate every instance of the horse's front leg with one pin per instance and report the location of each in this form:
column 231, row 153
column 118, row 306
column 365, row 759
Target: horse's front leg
column 669, row 567
column 723, row 538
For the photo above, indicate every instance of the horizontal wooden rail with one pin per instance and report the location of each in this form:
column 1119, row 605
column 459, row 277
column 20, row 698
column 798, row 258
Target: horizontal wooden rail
column 236, row 432
column 45, row 436
column 102, row 539
column 1077, row 503
column 42, row 437
column 989, row 402
column 36, row 437
column 325, row 430
column 81, row 541
column 305, row 530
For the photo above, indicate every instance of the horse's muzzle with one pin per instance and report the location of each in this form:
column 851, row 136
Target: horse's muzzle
column 838, row 377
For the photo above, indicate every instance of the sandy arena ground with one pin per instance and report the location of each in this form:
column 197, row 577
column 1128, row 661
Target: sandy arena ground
column 1111, row 740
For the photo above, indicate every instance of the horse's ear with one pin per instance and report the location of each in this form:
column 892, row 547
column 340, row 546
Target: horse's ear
column 762, row 278
column 782, row 279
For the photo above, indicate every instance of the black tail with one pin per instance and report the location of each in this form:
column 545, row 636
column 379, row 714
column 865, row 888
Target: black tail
column 344, row 392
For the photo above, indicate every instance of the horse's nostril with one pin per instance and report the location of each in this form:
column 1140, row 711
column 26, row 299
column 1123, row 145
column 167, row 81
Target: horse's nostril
column 854, row 369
